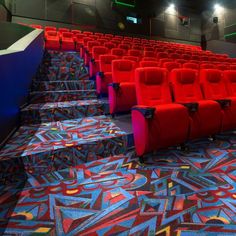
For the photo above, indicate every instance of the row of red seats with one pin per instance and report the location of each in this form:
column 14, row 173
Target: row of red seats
column 184, row 106
column 106, row 73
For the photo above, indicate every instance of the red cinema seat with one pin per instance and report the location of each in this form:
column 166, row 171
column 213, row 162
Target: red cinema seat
column 50, row 28
column 206, row 116
column 108, row 36
column 149, row 59
column 157, row 122
column 137, row 47
column 118, row 52
column 37, row 26
column 181, row 61
column 125, row 47
column 163, row 60
column 102, row 41
column 230, row 80
column 99, row 34
column 214, row 88
column 161, row 55
column 94, row 62
column 118, row 37
column 132, row 58
column 67, row 41
column 207, row 66
column 135, row 53
column 88, row 51
column 190, row 65
column 149, row 64
column 109, row 45
column 232, row 67
column 222, row 67
column 78, row 39
column 52, row 40
column 88, row 33
column 83, row 46
column 76, row 32
column 121, row 92
column 104, row 77
column 186, row 57
column 171, row 66
column 62, row 30
column 149, row 53
column 174, row 56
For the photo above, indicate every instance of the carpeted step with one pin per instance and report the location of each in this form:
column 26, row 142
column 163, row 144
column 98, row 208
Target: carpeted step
column 61, row 96
column 63, row 85
column 39, row 149
column 49, row 112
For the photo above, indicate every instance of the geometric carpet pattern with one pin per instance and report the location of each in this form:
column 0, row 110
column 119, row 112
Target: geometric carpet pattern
column 49, row 112
column 176, row 193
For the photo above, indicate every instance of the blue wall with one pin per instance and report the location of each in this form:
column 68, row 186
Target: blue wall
column 16, row 72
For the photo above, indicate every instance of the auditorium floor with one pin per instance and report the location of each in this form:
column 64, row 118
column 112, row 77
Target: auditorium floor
column 107, row 191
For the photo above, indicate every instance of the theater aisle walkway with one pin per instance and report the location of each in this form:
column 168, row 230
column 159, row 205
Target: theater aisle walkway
column 70, row 170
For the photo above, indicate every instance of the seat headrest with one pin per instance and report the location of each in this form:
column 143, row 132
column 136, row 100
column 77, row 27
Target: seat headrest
column 212, row 75
column 152, row 75
column 231, row 76
column 185, row 76
column 123, row 65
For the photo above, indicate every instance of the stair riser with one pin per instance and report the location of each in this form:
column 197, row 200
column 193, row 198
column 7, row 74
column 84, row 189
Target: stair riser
column 63, row 113
column 60, row 97
column 63, row 85
column 46, row 162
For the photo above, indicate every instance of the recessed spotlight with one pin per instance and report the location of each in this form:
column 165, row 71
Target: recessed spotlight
column 171, row 8
column 218, row 7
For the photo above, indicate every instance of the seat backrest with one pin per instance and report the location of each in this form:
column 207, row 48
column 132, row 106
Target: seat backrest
column 149, row 54
column 52, row 34
column 213, row 84
column 67, row 35
column 186, row 56
column 105, row 62
column 92, row 44
column 97, row 51
column 50, row 28
column 76, row 31
column 185, row 85
column 222, row 67
column 152, row 86
column 131, row 58
column 230, row 80
column 181, row 61
column 174, row 56
column 171, row 65
column 37, row 26
column 190, row 65
column 123, row 71
column 126, row 47
column 117, row 52
column 148, row 64
column 161, row 55
column 163, row 60
column 88, row 33
column 207, row 66
column 149, row 59
column 109, row 45
column 232, row 67
column 135, row 53
column 98, row 34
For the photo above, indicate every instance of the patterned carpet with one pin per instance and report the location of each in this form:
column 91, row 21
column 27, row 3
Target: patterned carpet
column 76, row 177
column 176, row 193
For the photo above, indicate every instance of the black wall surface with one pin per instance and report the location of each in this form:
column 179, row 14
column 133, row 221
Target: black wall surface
column 10, row 33
column 104, row 15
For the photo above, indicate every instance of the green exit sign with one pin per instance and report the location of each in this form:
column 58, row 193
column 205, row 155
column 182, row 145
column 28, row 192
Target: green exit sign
column 126, row 3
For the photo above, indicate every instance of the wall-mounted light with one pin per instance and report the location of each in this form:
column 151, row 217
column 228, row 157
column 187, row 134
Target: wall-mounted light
column 218, row 8
column 171, row 9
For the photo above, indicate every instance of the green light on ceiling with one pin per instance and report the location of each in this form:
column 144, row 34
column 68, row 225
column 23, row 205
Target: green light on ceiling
column 124, row 4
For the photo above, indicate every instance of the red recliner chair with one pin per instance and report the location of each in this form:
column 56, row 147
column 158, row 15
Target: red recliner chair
column 52, row 40
column 157, row 122
column 67, row 41
column 206, row 115
column 121, row 92
column 88, row 51
column 104, row 76
column 214, row 88
column 94, row 62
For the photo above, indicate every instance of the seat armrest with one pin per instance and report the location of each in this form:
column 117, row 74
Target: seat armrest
column 101, row 74
column 224, row 103
column 192, row 106
column 147, row 112
column 116, row 86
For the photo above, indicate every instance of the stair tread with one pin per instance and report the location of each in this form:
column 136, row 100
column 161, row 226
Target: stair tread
column 61, row 91
column 33, row 139
column 64, row 104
